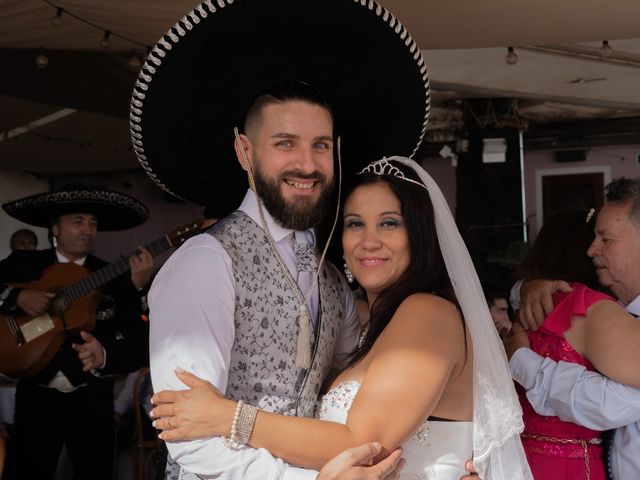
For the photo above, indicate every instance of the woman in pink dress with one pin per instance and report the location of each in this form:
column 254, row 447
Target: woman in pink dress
column 575, row 331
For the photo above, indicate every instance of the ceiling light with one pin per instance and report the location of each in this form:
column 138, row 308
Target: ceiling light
column 106, row 42
column 511, row 57
column 57, row 20
column 606, row 49
column 41, row 60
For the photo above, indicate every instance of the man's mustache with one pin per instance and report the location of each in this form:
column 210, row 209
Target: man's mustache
column 304, row 176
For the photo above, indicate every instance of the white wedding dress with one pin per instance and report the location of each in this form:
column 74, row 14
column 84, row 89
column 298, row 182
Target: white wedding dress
column 437, row 451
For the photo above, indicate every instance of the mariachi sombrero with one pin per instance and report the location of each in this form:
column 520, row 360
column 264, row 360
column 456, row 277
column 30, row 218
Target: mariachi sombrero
column 202, row 75
column 114, row 211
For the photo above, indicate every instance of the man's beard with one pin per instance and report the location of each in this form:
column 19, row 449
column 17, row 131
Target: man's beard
column 299, row 215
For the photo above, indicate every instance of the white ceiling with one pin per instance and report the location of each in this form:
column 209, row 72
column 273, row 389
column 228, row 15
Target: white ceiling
column 464, row 43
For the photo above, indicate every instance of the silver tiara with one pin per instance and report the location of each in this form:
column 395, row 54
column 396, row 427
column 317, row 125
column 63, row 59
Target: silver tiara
column 384, row 167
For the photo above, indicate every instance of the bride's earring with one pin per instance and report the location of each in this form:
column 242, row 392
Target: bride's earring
column 347, row 273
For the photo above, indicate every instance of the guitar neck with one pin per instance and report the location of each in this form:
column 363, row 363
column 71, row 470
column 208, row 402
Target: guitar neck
column 109, row 272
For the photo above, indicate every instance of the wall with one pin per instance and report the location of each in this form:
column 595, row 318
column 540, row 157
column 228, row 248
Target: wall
column 163, row 218
column 615, row 161
column 444, row 175
column 618, row 161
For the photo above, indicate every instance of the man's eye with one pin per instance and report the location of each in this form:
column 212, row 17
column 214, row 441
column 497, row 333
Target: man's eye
column 285, row 143
column 321, row 146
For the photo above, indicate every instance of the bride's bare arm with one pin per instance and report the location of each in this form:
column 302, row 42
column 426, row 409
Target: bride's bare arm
column 412, row 362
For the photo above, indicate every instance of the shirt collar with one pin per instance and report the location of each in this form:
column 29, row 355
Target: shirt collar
column 634, row 307
column 62, row 259
column 250, row 206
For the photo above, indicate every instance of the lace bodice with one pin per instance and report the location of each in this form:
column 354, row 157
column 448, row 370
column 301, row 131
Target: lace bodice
column 437, row 451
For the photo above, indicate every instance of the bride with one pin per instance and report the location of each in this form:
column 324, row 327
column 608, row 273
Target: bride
column 430, row 374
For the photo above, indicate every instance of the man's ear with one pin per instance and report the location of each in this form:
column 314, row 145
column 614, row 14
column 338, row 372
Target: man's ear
column 242, row 146
column 55, row 230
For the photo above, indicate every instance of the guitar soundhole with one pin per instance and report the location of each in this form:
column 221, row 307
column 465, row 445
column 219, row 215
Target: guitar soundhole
column 59, row 304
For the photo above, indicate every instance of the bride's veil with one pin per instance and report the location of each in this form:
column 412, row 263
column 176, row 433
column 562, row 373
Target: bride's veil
column 497, row 416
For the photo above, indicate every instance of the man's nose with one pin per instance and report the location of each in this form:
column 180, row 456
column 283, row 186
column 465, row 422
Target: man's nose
column 87, row 228
column 306, row 162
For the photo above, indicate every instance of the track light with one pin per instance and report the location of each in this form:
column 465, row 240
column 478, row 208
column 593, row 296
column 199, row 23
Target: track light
column 106, row 42
column 57, row 20
column 511, row 57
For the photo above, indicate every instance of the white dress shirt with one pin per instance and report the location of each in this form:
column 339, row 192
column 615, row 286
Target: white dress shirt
column 192, row 303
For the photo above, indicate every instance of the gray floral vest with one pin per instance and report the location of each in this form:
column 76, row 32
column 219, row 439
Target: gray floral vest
column 262, row 370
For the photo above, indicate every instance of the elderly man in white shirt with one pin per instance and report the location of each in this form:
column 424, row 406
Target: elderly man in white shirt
column 568, row 390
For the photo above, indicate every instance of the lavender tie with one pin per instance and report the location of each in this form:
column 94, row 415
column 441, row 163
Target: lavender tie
column 306, row 264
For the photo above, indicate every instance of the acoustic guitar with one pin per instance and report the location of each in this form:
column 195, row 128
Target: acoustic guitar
column 28, row 344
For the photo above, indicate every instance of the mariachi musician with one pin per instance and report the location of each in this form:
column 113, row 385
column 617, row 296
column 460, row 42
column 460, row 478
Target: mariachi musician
column 70, row 400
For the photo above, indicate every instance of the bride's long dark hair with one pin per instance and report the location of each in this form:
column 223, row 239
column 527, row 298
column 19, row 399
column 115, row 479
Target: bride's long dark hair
column 426, row 271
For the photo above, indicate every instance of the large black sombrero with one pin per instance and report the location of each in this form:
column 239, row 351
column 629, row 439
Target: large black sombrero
column 201, row 77
column 114, row 211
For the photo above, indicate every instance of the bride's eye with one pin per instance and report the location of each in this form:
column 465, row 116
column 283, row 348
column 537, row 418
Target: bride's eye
column 389, row 223
column 353, row 223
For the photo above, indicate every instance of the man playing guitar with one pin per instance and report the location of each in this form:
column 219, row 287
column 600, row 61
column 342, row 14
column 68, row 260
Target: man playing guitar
column 70, row 400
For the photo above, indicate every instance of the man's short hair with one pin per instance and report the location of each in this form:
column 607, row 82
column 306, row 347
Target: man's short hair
column 285, row 92
column 623, row 190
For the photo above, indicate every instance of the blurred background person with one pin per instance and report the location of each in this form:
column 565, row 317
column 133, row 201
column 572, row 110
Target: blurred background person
column 499, row 309
column 23, row 239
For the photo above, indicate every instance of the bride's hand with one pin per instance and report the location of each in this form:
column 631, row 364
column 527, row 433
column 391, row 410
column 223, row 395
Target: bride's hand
column 198, row 412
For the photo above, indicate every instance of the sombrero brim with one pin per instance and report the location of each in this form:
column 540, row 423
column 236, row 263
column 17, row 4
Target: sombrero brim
column 199, row 80
column 114, row 211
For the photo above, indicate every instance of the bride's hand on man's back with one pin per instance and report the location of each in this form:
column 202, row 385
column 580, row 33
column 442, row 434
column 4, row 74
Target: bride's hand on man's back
column 198, row 412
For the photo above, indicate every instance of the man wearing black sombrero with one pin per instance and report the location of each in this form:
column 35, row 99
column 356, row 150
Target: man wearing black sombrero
column 64, row 395
column 232, row 305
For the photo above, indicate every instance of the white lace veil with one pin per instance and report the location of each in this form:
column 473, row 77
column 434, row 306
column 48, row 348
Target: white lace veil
column 497, row 416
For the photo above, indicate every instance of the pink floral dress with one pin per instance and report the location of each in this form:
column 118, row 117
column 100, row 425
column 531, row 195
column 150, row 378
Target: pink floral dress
column 556, row 449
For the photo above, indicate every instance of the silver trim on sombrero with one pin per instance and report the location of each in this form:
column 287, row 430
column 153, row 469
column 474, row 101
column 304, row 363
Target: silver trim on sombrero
column 191, row 19
column 98, row 196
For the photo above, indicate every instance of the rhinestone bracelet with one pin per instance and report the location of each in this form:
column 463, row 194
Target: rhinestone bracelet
column 241, row 426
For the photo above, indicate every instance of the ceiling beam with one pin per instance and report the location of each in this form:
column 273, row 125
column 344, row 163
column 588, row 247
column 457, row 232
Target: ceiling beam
column 14, row 132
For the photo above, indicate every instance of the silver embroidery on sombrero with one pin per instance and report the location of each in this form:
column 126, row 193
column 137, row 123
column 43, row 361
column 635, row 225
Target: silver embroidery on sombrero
column 98, row 196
